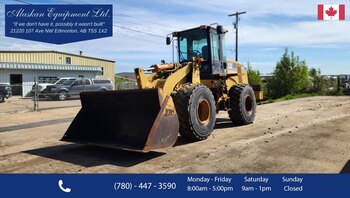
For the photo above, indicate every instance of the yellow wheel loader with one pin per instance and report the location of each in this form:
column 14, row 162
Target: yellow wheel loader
column 182, row 97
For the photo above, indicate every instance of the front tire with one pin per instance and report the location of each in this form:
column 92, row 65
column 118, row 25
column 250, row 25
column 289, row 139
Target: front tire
column 242, row 104
column 195, row 107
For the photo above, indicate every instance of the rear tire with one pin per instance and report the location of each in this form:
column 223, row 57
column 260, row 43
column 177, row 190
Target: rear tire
column 242, row 104
column 196, row 110
column 2, row 98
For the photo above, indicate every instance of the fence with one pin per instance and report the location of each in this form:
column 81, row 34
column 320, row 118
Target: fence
column 125, row 82
column 125, row 85
column 33, row 96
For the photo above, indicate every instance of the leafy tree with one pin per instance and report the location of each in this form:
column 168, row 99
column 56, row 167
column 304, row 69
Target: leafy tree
column 319, row 83
column 300, row 77
column 254, row 77
column 290, row 76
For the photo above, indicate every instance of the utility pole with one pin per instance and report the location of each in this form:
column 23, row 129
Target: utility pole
column 235, row 25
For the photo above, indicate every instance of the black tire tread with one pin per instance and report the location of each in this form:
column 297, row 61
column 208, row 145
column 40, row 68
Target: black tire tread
column 236, row 111
column 182, row 100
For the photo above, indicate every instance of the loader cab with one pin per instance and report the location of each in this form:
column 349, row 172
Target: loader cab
column 204, row 42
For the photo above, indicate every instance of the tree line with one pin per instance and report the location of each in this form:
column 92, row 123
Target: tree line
column 291, row 76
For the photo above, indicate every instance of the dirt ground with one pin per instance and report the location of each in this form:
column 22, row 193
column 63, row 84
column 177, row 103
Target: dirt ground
column 310, row 135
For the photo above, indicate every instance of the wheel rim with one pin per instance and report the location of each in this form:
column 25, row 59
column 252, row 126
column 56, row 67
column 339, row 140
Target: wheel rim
column 203, row 112
column 248, row 105
column 62, row 96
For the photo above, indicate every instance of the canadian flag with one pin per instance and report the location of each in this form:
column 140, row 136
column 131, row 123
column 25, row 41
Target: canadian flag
column 331, row 12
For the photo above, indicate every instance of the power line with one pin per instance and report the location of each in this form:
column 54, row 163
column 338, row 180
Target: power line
column 141, row 39
column 139, row 31
column 136, row 17
column 131, row 21
column 121, row 34
column 130, row 29
column 149, row 21
column 133, row 17
column 162, row 25
column 136, row 23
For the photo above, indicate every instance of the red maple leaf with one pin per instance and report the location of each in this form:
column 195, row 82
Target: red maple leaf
column 331, row 12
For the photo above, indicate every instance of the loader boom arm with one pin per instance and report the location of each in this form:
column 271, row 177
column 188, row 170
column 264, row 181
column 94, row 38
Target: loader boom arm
column 174, row 79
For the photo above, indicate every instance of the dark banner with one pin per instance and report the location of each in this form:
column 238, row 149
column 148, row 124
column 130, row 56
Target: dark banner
column 58, row 24
column 174, row 185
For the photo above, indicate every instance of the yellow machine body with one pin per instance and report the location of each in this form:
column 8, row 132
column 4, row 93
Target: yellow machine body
column 171, row 98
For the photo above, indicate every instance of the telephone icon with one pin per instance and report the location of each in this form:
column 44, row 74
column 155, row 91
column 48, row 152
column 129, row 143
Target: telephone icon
column 60, row 184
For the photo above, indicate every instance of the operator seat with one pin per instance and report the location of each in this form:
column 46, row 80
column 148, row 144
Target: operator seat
column 205, row 53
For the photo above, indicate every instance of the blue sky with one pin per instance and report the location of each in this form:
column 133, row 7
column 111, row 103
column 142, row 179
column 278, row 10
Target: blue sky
column 265, row 31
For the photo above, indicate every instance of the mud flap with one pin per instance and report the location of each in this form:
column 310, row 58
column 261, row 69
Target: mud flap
column 139, row 120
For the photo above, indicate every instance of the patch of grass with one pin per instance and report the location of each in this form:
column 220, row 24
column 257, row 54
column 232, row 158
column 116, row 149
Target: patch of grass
column 337, row 93
column 302, row 95
column 265, row 101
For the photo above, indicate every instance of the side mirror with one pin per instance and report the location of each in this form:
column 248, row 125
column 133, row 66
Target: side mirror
column 162, row 62
column 219, row 29
column 168, row 40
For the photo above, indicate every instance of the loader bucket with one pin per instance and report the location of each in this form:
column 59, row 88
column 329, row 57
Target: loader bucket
column 139, row 120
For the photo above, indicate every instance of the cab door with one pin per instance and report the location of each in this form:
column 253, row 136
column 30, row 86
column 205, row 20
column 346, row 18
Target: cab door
column 218, row 58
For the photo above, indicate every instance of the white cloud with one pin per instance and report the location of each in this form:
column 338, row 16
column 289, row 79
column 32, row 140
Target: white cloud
column 130, row 48
column 301, row 33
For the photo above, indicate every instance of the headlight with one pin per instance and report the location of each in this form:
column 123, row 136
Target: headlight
column 8, row 88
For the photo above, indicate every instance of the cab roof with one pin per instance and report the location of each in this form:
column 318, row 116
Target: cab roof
column 200, row 27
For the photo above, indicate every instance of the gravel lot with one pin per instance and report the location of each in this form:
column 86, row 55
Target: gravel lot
column 309, row 135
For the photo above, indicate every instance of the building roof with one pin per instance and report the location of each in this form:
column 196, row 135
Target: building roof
column 39, row 66
column 58, row 52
